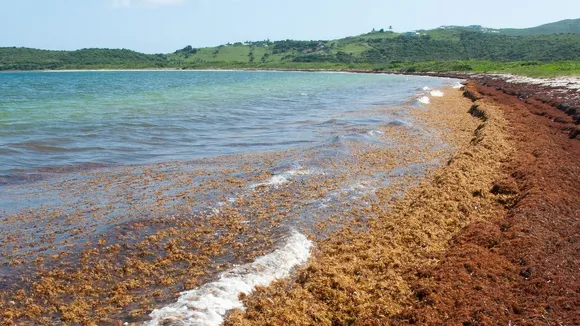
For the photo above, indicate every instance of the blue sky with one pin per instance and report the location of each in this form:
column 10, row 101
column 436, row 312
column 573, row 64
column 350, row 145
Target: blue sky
column 161, row 26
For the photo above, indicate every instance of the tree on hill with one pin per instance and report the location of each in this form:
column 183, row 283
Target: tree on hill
column 187, row 51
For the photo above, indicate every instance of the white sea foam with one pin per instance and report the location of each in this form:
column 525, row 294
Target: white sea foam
column 280, row 179
column 437, row 93
column 426, row 88
column 276, row 180
column 424, row 100
column 375, row 133
column 208, row 304
column 457, row 85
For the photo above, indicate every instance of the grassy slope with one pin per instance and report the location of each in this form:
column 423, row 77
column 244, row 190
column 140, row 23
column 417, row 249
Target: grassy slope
column 436, row 50
column 237, row 57
column 564, row 26
column 34, row 59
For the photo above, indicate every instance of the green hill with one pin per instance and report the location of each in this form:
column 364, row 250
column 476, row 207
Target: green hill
column 539, row 51
column 568, row 26
column 33, row 59
column 542, row 44
column 387, row 50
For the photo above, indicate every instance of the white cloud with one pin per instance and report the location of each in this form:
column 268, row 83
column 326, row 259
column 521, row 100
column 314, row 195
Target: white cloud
column 145, row 3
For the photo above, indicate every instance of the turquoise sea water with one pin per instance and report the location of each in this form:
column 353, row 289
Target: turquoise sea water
column 70, row 119
column 246, row 163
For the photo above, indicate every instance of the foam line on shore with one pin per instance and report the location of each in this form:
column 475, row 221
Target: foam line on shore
column 208, row 304
column 280, row 179
column 424, row 100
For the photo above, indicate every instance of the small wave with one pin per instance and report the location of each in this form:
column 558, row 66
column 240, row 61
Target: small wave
column 9, row 151
column 358, row 189
column 280, row 179
column 208, row 304
column 437, row 93
column 424, row 100
column 332, row 122
column 265, row 144
column 51, row 146
column 276, row 180
column 457, row 85
column 375, row 133
column 399, row 123
column 343, row 145
column 426, row 88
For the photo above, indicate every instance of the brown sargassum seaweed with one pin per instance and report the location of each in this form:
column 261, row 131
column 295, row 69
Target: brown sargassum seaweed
column 365, row 278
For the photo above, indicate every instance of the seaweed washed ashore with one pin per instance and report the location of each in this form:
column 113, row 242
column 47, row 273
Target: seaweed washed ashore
column 112, row 244
column 488, row 239
column 463, row 241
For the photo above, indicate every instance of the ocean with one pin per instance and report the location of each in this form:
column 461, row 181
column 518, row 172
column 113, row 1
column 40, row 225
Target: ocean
column 255, row 165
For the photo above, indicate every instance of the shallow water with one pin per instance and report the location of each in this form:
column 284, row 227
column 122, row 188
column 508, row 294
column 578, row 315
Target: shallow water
column 259, row 158
column 51, row 120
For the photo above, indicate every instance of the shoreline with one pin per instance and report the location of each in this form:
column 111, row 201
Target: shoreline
column 410, row 276
column 140, row 265
column 361, row 277
column 517, row 267
column 486, row 248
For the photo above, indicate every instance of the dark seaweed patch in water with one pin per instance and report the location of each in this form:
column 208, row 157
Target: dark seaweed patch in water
column 23, row 177
column 290, row 142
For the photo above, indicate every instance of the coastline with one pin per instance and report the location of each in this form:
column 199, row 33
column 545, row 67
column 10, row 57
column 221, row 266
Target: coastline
column 361, row 277
column 486, row 239
column 519, row 267
column 412, row 275
column 139, row 265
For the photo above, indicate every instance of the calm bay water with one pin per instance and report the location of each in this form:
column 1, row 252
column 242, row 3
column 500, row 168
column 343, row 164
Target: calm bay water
column 242, row 163
column 73, row 118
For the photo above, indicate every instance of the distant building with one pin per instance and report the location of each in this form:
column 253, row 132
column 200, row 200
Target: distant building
column 412, row 34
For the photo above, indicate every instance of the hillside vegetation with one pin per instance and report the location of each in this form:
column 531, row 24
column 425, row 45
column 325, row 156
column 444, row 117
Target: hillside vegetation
column 568, row 26
column 34, row 59
column 535, row 51
column 435, row 50
column 562, row 27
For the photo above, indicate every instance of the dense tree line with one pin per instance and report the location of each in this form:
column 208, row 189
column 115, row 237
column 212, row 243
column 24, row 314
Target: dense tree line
column 33, row 59
column 470, row 46
column 475, row 46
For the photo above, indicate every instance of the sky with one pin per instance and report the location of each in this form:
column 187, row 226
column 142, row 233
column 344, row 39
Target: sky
column 163, row 26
